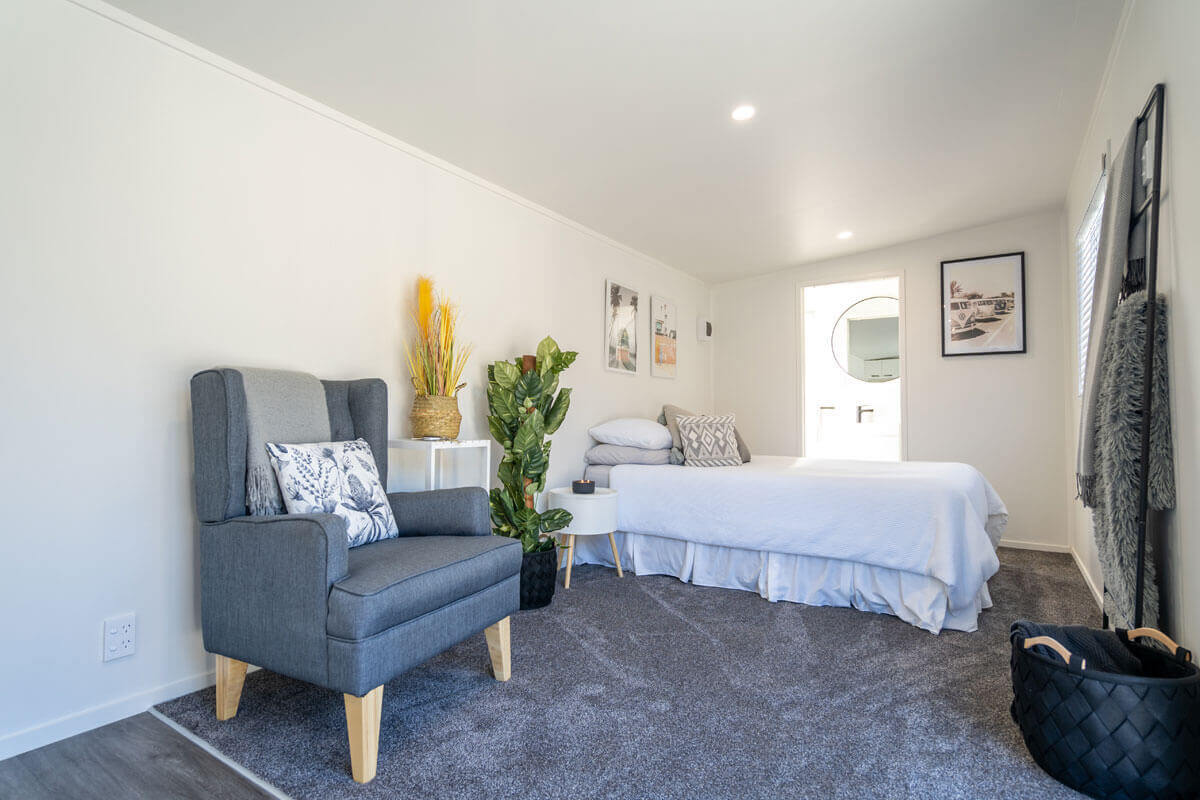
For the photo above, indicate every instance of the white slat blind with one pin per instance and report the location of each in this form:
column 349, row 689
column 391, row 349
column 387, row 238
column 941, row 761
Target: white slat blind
column 1087, row 251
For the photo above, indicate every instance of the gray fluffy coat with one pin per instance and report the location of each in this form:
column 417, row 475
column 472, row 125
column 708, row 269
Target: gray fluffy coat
column 1118, row 455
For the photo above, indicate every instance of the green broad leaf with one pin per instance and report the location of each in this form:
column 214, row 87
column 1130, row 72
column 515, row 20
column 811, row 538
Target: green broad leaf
column 499, row 430
column 548, row 391
column 547, row 355
column 527, row 519
column 505, row 502
column 504, row 374
column 508, row 474
column 554, row 519
column 528, row 387
column 504, row 405
column 564, row 360
column 558, row 411
column 501, row 507
column 532, row 542
column 530, row 432
column 534, row 463
column 535, row 422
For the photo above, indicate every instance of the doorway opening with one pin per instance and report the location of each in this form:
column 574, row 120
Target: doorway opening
column 851, row 382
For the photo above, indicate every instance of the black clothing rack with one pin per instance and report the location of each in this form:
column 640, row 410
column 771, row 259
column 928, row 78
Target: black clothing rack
column 1143, row 273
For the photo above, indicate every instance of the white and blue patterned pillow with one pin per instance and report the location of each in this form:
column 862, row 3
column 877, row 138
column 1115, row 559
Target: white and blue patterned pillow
column 335, row 478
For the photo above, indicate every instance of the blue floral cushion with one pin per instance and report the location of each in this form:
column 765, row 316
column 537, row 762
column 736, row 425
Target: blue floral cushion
column 335, row 478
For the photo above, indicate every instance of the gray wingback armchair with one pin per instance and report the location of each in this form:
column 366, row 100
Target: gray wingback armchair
column 286, row 592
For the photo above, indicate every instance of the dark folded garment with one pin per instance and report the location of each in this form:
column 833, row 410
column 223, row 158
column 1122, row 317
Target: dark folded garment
column 1103, row 650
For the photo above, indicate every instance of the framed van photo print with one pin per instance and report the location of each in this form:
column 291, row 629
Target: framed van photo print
column 983, row 305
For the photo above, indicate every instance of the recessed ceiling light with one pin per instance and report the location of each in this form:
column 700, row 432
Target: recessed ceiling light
column 845, row 234
column 743, row 113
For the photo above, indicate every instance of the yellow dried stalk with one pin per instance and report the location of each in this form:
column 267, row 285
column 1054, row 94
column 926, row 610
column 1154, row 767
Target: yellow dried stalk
column 435, row 361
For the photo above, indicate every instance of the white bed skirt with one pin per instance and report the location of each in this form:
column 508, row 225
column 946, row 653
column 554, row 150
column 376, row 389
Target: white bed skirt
column 916, row 599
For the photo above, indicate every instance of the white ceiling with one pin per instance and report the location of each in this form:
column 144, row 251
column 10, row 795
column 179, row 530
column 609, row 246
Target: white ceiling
column 896, row 120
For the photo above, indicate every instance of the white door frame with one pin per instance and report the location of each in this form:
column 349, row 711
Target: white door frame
column 839, row 277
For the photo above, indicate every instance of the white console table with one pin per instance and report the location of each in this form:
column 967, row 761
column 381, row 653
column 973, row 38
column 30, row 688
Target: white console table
column 431, row 448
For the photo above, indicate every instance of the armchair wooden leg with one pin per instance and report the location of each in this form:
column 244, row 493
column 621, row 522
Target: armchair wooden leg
column 362, row 724
column 500, row 649
column 231, row 675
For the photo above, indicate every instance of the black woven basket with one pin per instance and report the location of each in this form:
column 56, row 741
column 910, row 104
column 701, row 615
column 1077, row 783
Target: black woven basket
column 1106, row 734
column 538, row 574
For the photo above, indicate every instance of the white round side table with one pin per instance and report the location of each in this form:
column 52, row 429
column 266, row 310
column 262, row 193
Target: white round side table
column 591, row 515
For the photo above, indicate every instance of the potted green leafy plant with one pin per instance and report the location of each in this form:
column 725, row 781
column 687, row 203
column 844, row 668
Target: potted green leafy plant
column 525, row 406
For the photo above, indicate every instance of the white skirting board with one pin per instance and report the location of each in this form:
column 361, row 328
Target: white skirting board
column 89, row 718
column 1097, row 594
column 1042, row 546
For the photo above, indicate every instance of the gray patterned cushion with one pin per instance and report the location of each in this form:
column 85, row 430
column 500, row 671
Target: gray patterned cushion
column 708, row 441
column 668, row 417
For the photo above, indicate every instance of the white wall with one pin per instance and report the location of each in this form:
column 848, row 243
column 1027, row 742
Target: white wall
column 164, row 211
column 1001, row 413
column 1158, row 43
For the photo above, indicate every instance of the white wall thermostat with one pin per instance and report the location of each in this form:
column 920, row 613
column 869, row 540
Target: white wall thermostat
column 704, row 330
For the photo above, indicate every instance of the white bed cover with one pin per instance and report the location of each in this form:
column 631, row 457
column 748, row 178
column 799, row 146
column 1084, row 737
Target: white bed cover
column 941, row 520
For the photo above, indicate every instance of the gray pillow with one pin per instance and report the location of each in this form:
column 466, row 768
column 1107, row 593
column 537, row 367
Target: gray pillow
column 708, row 441
column 670, row 415
column 613, row 454
column 743, row 449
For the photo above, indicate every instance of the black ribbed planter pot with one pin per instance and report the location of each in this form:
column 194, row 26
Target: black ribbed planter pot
column 539, row 572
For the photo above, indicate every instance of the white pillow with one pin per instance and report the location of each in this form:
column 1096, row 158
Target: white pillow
column 335, row 478
column 633, row 432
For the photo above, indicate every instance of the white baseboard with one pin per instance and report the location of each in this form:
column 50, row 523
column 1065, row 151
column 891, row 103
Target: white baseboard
column 1095, row 590
column 1046, row 548
column 47, row 732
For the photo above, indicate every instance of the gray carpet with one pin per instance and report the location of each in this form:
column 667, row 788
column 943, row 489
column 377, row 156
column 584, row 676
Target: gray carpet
column 651, row 688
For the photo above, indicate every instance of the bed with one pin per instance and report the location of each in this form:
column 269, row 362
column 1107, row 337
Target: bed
column 914, row 539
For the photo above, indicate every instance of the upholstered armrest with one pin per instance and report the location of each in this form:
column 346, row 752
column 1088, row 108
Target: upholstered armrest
column 265, row 588
column 445, row 512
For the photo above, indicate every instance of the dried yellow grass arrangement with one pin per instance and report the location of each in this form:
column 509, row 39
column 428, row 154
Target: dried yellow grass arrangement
column 435, row 358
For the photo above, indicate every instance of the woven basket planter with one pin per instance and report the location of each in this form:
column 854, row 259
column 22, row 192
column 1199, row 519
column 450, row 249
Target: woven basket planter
column 539, row 571
column 434, row 415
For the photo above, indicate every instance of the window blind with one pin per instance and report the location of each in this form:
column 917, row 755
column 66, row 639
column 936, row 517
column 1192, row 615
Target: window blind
column 1087, row 252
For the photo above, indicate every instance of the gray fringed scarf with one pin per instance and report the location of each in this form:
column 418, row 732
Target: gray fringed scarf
column 1118, row 437
column 1110, row 271
column 281, row 406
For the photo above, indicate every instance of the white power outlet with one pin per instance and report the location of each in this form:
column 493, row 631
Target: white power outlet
column 120, row 636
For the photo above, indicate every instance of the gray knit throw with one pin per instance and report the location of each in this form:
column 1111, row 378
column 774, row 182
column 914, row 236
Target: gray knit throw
column 282, row 407
column 1110, row 269
column 1118, row 455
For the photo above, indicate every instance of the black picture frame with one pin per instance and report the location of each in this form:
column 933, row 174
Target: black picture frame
column 964, row 328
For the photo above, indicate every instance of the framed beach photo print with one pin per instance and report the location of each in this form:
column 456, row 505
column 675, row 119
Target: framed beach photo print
column 983, row 305
column 664, row 334
column 620, row 328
